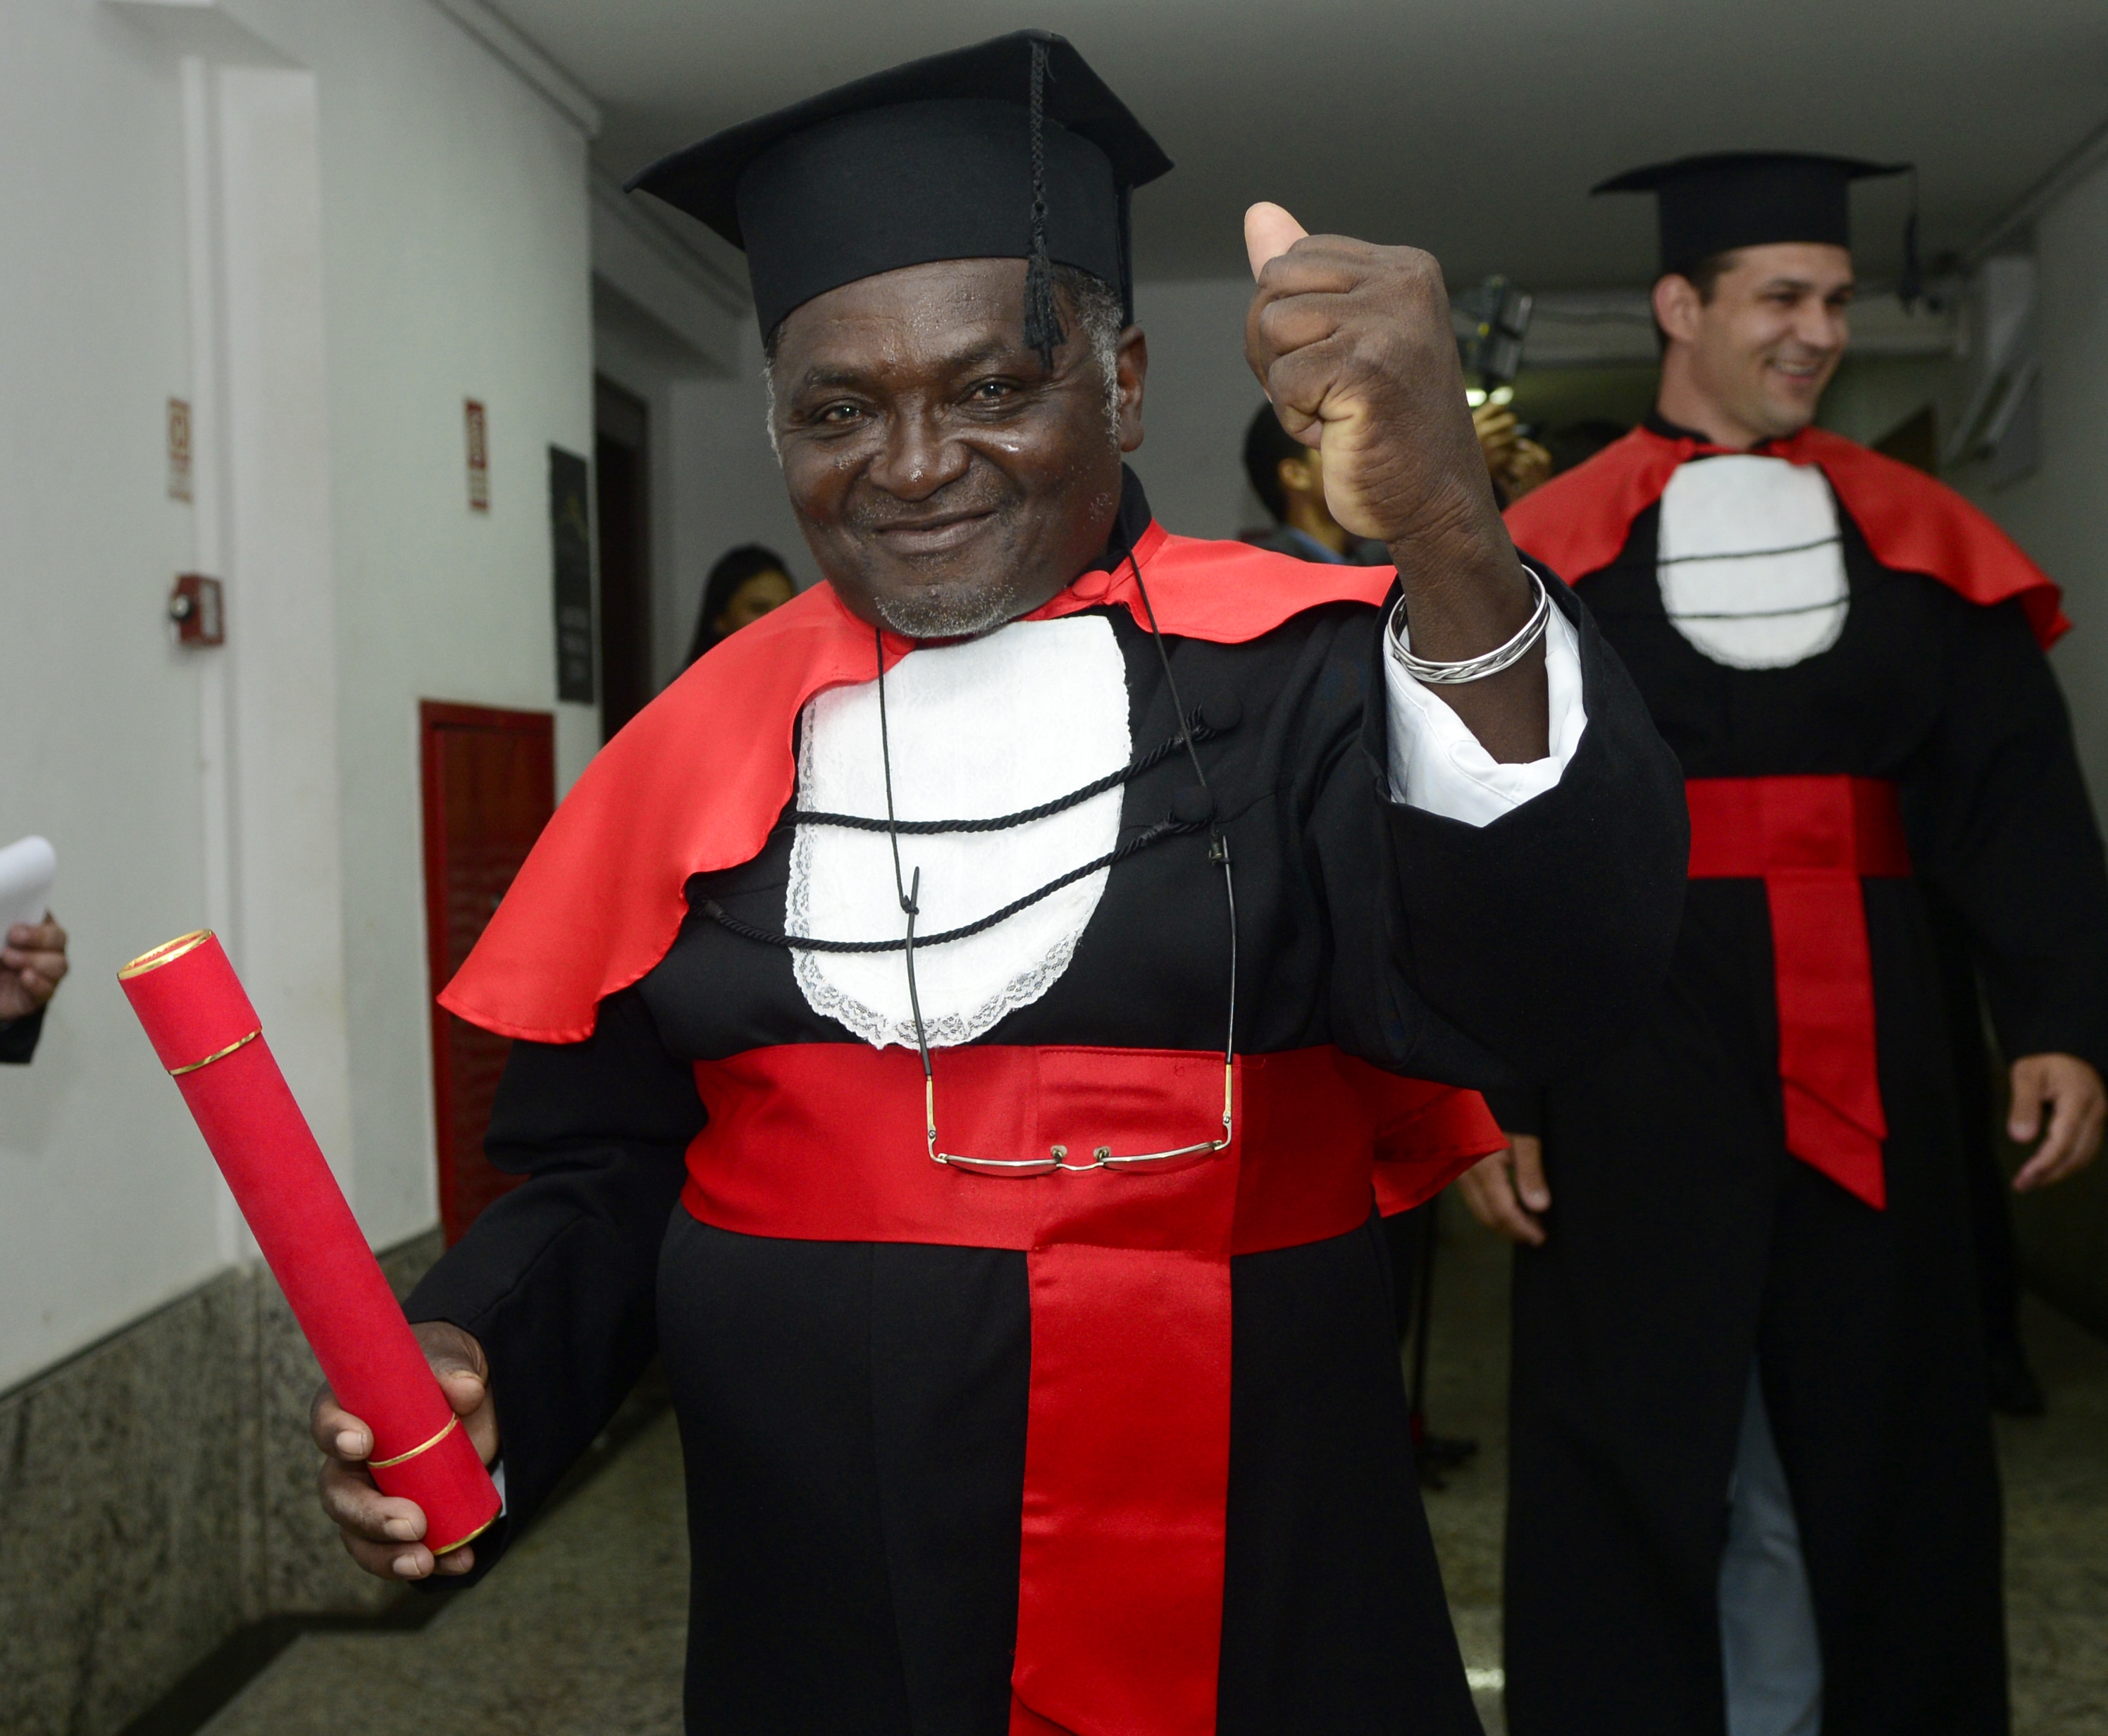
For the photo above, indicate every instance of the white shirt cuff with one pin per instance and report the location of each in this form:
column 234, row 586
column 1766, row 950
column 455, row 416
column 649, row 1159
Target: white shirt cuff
column 1439, row 766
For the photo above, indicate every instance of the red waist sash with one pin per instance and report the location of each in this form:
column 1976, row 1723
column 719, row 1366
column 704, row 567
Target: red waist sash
column 1811, row 840
column 1126, row 1440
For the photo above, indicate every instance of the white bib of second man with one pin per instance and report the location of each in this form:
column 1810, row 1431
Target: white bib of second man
column 1751, row 570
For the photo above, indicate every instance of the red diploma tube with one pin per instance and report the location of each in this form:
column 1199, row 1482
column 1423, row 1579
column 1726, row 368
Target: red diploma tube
column 207, row 1035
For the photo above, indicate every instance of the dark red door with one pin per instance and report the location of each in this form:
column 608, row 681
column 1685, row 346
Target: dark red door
column 490, row 786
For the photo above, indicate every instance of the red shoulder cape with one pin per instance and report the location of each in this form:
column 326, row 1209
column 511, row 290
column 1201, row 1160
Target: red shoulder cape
column 1577, row 523
column 696, row 780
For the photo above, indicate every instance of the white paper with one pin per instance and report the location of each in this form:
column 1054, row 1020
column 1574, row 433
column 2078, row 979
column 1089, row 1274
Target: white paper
column 27, row 869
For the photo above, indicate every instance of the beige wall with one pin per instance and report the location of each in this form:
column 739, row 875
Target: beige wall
column 2059, row 515
column 325, row 225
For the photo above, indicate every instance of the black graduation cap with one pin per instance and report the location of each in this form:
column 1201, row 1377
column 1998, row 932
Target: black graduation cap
column 1011, row 149
column 1710, row 205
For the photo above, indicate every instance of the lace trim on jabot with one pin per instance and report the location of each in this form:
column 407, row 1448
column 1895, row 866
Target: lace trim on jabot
column 1056, row 691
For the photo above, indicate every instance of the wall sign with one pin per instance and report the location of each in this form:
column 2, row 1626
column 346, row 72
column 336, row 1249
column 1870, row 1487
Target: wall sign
column 571, row 544
column 479, row 456
column 179, row 449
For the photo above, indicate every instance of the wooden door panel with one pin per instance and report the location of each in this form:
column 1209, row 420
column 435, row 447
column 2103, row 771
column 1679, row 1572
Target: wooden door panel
column 490, row 788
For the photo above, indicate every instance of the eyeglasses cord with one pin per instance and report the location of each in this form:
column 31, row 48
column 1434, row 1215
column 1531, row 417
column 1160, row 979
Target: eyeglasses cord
column 910, row 893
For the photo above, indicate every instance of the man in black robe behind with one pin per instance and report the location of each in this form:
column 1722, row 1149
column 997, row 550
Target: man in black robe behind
column 881, row 1306
column 1752, row 1482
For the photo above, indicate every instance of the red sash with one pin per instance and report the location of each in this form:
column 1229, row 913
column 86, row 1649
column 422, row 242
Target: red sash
column 1120, row 1609
column 1811, row 840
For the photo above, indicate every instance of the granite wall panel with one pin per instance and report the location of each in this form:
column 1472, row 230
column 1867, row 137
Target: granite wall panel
column 156, row 1491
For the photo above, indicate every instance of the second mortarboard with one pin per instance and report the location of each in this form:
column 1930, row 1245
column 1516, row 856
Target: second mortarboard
column 1713, row 204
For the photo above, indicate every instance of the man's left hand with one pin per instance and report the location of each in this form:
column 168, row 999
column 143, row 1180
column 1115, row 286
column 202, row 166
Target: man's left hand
column 31, row 965
column 2077, row 1105
column 1353, row 344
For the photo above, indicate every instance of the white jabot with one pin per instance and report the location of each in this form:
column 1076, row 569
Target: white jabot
column 1439, row 765
column 1751, row 571
column 979, row 729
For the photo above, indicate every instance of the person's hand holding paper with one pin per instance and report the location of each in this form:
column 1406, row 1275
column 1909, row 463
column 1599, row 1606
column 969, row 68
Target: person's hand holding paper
column 34, row 957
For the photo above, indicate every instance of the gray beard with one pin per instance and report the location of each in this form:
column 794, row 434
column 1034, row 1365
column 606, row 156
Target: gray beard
column 936, row 616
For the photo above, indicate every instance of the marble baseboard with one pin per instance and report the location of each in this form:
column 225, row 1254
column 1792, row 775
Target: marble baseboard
column 155, row 1493
column 2063, row 1238
column 301, row 1567
column 581, row 1631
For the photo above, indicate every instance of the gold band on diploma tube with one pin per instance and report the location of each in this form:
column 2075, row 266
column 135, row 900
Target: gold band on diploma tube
column 167, row 953
column 382, row 1464
column 218, row 1054
column 447, row 1549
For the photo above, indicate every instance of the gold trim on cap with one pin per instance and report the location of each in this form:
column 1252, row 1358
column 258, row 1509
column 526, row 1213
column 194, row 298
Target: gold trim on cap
column 167, row 953
column 218, row 1054
column 464, row 1542
column 382, row 1464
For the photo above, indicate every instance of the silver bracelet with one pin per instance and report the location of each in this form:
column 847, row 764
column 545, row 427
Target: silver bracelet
column 1472, row 669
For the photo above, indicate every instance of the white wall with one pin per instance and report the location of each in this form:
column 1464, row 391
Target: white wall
column 665, row 317
column 1871, row 394
column 456, row 266
column 440, row 251
column 102, row 1206
column 2057, row 513
column 725, row 490
column 1201, row 397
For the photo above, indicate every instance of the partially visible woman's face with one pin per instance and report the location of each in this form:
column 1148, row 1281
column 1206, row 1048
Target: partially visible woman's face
column 755, row 598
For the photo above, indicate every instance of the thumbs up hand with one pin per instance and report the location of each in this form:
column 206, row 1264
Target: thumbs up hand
column 1353, row 344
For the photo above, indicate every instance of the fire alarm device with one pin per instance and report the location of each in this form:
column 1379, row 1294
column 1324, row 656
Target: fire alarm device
column 195, row 606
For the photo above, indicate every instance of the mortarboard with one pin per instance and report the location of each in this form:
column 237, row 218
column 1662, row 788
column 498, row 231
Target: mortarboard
column 1710, row 205
column 1010, row 149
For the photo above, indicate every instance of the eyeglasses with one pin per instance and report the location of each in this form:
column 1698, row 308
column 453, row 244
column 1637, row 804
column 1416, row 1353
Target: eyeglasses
column 1102, row 1157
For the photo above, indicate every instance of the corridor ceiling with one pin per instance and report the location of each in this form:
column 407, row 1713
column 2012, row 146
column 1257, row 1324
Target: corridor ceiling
column 1473, row 128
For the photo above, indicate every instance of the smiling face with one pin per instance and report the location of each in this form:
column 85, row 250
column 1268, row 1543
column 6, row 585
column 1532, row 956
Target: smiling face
column 1750, row 363
column 946, row 480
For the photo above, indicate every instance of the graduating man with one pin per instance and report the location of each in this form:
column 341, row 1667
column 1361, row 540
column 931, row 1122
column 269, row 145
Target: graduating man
column 990, row 1167
column 1752, row 1476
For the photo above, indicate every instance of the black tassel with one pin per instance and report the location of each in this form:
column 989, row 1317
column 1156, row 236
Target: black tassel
column 1910, row 287
column 1042, row 312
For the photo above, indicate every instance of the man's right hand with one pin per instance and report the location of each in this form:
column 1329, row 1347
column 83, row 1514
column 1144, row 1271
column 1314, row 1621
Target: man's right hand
column 1506, row 1191
column 32, row 960
column 385, row 1534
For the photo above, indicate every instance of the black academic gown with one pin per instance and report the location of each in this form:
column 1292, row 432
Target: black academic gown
column 854, row 1415
column 18, row 1038
column 1683, row 1240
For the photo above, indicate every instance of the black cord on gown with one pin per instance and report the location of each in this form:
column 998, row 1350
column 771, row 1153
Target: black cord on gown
column 1219, row 845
